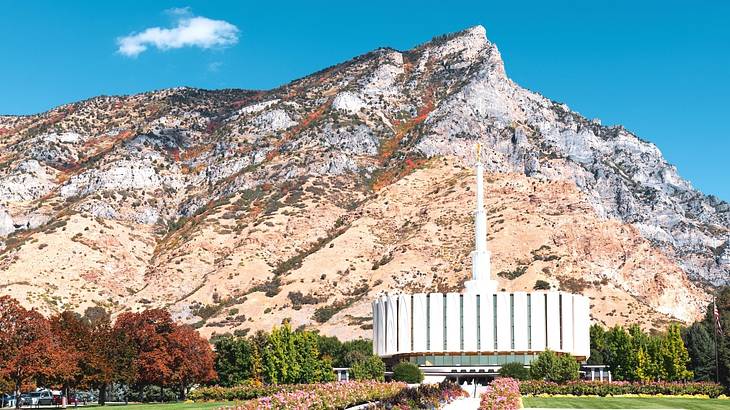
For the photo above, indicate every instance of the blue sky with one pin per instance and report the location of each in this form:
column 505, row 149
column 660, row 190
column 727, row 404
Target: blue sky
column 660, row 68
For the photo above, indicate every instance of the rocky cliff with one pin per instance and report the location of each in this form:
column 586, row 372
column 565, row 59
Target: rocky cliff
column 236, row 209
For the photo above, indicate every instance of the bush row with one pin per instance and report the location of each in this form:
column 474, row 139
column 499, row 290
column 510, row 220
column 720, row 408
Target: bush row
column 328, row 396
column 588, row 388
column 245, row 391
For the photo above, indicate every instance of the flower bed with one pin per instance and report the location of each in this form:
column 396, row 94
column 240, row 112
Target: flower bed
column 588, row 388
column 425, row 396
column 501, row 394
column 338, row 395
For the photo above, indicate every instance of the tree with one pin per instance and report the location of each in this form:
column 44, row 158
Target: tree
column 293, row 357
column 110, row 355
column 71, row 332
column 619, row 355
column 330, row 346
column 355, row 350
column 233, row 360
column 675, row 356
column 407, row 372
column 27, row 349
column 370, row 368
column 191, row 359
column 701, row 349
column 148, row 333
column 598, row 344
column 515, row 370
column 552, row 367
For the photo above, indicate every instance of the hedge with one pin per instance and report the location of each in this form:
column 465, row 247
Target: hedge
column 327, row 396
column 589, row 388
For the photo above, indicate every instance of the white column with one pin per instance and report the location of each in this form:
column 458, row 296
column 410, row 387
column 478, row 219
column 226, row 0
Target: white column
column 567, row 322
column 404, row 323
column 470, row 322
column 453, row 322
column 391, row 326
column 582, row 324
column 504, row 323
column 380, row 304
column 374, row 305
column 537, row 321
column 436, row 315
column 553, row 321
column 486, row 322
column 520, row 321
column 419, row 322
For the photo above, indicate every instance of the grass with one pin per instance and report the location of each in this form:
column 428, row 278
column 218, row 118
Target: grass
column 625, row 403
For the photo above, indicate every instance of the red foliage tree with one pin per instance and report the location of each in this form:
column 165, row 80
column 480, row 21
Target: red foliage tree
column 110, row 355
column 192, row 359
column 27, row 349
column 71, row 333
column 148, row 333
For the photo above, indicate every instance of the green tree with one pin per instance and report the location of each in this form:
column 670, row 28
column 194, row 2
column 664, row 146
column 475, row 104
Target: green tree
column 675, row 355
column 293, row 357
column 312, row 368
column 370, row 368
column 407, row 372
column 552, row 367
column 515, row 370
column 355, row 350
column 619, row 355
column 234, row 360
column 330, row 346
column 598, row 344
column 701, row 349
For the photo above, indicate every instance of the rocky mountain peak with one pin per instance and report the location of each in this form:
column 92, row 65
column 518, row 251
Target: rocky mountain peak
column 340, row 185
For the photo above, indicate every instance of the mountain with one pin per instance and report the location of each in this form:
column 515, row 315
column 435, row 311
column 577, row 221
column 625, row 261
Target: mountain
column 235, row 209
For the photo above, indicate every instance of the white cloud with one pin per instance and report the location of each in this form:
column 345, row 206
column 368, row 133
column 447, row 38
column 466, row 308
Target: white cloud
column 190, row 31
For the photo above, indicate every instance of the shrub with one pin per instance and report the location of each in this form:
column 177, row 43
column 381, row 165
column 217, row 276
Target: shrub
column 514, row 370
column 541, row 285
column 407, row 372
column 501, row 394
column 370, row 368
column 595, row 388
column 336, row 395
column 552, row 367
column 425, row 396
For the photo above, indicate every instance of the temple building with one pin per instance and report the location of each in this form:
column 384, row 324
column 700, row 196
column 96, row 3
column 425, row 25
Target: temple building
column 480, row 329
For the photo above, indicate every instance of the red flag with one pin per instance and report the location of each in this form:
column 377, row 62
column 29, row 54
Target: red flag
column 716, row 313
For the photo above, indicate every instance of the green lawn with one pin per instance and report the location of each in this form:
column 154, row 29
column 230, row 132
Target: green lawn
column 626, row 403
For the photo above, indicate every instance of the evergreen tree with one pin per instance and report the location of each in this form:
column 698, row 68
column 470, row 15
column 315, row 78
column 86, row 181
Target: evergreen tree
column 701, row 349
column 619, row 355
column 598, row 344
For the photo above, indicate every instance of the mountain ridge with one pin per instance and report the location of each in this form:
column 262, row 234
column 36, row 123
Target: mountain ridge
column 211, row 196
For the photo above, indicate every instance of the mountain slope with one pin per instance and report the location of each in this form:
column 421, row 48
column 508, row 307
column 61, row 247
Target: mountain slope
column 236, row 208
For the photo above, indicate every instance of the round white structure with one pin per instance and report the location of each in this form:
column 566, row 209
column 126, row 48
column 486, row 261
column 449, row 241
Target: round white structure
column 480, row 327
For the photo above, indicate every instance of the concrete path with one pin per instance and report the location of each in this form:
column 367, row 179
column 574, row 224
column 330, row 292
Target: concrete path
column 469, row 403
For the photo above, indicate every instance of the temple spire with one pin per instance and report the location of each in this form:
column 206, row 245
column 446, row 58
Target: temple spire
column 481, row 281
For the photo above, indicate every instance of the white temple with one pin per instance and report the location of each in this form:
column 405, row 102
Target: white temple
column 480, row 329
